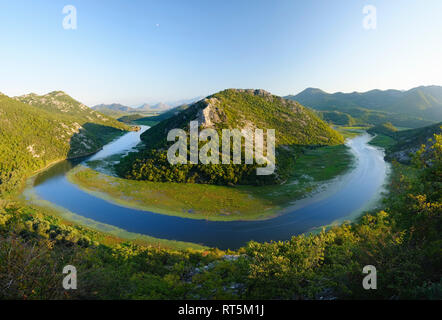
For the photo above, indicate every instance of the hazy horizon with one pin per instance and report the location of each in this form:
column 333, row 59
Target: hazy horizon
column 175, row 102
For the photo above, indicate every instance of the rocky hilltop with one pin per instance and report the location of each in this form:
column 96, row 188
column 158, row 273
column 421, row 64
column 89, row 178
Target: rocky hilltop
column 249, row 108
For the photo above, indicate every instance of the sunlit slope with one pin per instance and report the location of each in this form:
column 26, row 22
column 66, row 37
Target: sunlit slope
column 45, row 129
column 236, row 108
column 294, row 125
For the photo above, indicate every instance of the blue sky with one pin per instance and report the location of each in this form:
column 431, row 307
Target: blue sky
column 143, row 51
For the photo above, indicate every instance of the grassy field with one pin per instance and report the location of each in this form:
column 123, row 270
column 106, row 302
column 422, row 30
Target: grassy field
column 187, row 200
column 221, row 203
column 350, row 132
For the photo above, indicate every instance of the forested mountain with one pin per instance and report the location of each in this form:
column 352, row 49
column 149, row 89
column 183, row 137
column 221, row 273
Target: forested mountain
column 58, row 102
column 413, row 108
column 37, row 130
column 294, row 124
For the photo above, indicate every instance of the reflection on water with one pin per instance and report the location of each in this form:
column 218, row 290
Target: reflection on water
column 58, row 169
column 351, row 193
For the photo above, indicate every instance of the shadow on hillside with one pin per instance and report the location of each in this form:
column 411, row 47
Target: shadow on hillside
column 90, row 138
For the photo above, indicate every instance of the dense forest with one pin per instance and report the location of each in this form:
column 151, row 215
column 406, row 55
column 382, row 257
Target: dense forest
column 358, row 116
column 403, row 241
column 38, row 130
column 295, row 125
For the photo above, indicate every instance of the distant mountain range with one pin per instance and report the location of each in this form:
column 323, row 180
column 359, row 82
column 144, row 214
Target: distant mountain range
column 117, row 110
column 417, row 107
column 413, row 108
column 158, row 107
column 181, row 102
column 114, row 110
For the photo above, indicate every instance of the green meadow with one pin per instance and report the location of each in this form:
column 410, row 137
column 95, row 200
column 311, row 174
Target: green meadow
column 382, row 141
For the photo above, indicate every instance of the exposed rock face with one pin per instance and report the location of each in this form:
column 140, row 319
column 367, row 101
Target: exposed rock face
column 31, row 149
column 405, row 155
column 248, row 109
column 409, row 142
column 402, row 156
column 210, row 113
column 256, row 92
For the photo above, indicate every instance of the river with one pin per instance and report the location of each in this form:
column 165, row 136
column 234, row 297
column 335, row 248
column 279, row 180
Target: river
column 343, row 198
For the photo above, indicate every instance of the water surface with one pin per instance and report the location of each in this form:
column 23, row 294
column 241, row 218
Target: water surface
column 341, row 199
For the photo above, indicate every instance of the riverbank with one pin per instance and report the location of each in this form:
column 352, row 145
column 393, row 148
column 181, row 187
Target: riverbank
column 382, row 141
column 14, row 194
column 104, row 233
column 313, row 169
column 107, row 233
column 329, row 199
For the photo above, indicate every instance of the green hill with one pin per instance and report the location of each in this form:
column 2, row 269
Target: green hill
column 408, row 142
column 417, row 107
column 295, row 126
column 338, row 118
column 37, row 130
column 386, row 129
column 403, row 145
